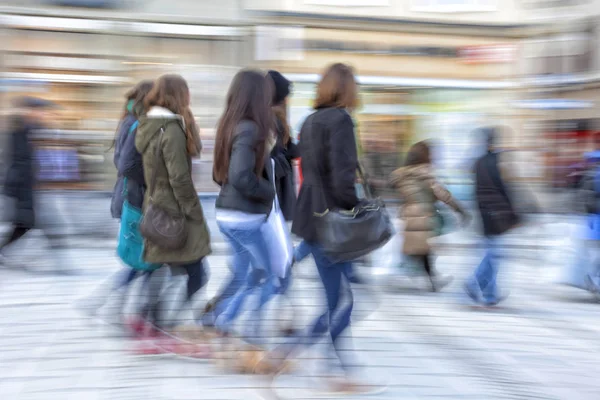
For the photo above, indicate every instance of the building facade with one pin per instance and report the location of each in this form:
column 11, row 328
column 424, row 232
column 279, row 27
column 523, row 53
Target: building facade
column 427, row 69
column 85, row 55
column 560, row 68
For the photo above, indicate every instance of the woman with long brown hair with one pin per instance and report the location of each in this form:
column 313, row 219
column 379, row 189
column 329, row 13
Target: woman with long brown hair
column 243, row 170
column 168, row 138
column 329, row 167
column 419, row 191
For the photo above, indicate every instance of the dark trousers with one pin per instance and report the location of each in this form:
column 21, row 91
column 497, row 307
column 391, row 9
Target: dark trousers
column 17, row 233
column 427, row 263
column 197, row 278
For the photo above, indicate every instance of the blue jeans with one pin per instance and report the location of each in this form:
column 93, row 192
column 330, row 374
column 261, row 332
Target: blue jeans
column 301, row 251
column 338, row 293
column 483, row 282
column 251, row 273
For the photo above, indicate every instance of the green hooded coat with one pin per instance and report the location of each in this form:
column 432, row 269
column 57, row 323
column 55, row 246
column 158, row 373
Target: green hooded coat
column 174, row 189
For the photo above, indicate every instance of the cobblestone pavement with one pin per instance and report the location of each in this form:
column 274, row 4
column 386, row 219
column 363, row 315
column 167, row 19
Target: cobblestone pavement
column 542, row 344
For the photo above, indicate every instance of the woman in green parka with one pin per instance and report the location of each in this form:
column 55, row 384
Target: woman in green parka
column 172, row 189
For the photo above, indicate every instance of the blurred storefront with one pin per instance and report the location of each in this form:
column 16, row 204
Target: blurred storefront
column 86, row 59
column 414, row 86
column 562, row 71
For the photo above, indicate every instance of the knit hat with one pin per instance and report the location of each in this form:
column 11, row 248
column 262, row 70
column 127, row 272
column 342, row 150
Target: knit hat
column 282, row 87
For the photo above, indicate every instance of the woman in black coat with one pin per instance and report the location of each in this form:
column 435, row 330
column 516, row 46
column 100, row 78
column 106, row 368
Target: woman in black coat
column 21, row 174
column 329, row 165
column 130, row 186
column 285, row 151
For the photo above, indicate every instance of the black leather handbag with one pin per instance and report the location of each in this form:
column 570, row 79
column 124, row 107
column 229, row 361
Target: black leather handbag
column 347, row 235
column 157, row 225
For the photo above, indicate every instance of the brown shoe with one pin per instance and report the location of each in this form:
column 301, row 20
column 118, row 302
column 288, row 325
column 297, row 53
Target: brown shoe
column 350, row 387
column 271, row 366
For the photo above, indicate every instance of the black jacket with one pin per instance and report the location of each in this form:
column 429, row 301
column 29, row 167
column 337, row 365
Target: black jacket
column 495, row 204
column 244, row 190
column 20, row 177
column 329, row 164
column 284, row 173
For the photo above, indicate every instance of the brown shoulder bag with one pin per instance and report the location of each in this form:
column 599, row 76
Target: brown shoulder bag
column 158, row 226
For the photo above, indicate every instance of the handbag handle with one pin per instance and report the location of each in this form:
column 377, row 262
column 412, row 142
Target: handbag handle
column 365, row 182
column 156, row 160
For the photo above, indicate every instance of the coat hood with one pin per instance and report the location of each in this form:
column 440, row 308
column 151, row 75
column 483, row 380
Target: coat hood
column 150, row 124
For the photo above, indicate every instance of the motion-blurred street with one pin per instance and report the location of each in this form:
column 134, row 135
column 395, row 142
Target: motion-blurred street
column 542, row 344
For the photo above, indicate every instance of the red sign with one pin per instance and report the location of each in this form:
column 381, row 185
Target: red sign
column 488, row 54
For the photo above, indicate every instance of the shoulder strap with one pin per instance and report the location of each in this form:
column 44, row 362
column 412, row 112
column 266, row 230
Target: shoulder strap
column 365, row 182
column 157, row 152
column 133, row 127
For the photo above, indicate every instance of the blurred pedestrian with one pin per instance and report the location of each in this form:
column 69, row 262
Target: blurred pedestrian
column 285, row 150
column 21, row 178
column 329, row 165
column 420, row 192
column 283, row 154
column 498, row 216
column 130, row 187
column 244, row 171
column 590, row 196
column 167, row 138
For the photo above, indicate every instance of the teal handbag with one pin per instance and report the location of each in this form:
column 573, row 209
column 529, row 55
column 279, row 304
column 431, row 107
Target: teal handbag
column 130, row 247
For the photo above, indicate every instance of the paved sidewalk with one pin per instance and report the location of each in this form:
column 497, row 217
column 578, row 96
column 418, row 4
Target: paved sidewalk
column 543, row 344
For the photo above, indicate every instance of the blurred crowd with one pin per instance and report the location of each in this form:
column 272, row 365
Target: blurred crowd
column 332, row 202
column 304, row 158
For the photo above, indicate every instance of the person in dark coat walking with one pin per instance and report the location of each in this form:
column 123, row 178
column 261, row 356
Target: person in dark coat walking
column 329, row 168
column 130, row 186
column 498, row 216
column 285, row 150
column 21, row 175
column 243, row 169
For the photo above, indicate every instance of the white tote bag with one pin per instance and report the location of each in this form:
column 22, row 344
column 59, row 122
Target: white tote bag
column 275, row 232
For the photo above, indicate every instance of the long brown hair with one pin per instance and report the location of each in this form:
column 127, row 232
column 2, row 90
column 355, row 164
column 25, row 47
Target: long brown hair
column 137, row 94
column 249, row 98
column 134, row 96
column 280, row 112
column 419, row 153
column 337, row 88
column 171, row 92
